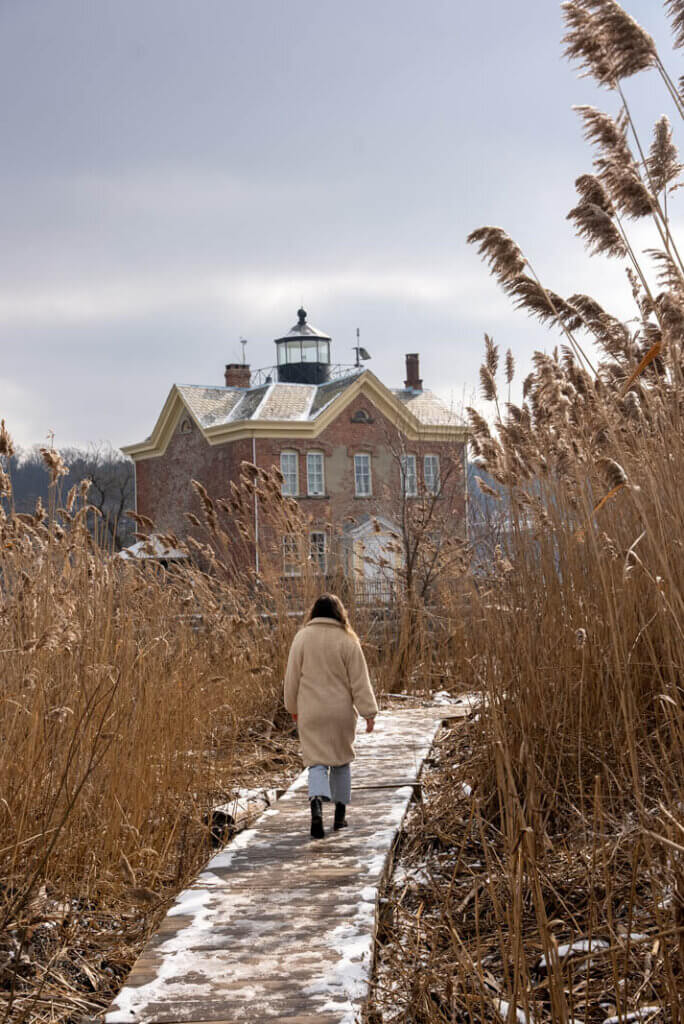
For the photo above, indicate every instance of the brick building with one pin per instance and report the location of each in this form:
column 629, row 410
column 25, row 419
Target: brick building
column 350, row 449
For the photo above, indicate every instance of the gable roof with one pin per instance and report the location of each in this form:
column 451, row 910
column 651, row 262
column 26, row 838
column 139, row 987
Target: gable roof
column 293, row 410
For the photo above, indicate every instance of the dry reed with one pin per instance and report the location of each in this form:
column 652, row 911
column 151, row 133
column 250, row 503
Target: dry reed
column 546, row 867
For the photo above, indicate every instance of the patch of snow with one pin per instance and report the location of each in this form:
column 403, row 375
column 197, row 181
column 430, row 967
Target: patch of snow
column 418, row 875
column 503, row 1008
column 443, row 697
column 301, row 782
column 642, row 1013
column 570, row 948
column 152, row 547
column 192, row 962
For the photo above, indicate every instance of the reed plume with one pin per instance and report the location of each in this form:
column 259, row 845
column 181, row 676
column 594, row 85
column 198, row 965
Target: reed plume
column 498, row 249
column 55, row 464
column 6, row 443
column 593, row 219
column 663, row 163
column 675, row 8
column 605, row 41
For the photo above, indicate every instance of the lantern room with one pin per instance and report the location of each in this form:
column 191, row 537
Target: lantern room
column 303, row 354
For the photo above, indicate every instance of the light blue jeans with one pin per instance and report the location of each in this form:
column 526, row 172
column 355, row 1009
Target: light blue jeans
column 330, row 782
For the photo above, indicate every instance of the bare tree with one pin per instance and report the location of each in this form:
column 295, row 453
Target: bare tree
column 112, row 488
column 430, row 513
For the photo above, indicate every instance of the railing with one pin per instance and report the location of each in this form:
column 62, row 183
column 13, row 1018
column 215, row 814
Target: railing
column 375, row 591
column 269, row 374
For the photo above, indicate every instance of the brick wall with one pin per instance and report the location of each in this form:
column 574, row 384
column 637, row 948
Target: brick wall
column 164, row 489
column 338, row 443
column 165, row 494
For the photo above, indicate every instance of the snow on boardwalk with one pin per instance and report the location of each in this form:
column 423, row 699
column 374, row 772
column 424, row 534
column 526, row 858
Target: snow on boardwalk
column 278, row 926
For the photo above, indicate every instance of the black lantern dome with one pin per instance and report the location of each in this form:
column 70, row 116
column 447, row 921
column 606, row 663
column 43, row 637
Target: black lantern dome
column 303, row 354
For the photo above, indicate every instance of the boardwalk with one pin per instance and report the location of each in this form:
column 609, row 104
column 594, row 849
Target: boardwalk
column 278, row 926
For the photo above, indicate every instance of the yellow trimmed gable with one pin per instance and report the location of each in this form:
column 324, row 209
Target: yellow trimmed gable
column 366, row 384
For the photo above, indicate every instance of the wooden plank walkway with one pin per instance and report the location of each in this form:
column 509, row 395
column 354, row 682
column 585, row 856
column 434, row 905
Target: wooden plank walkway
column 279, row 926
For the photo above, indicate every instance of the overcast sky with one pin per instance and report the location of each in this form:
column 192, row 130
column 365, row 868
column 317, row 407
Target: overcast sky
column 178, row 173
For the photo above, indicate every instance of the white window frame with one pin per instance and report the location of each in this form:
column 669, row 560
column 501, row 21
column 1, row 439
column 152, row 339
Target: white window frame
column 320, row 566
column 434, row 486
column 309, row 489
column 285, row 488
column 369, row 492
column 291, row 556
column 409, row 476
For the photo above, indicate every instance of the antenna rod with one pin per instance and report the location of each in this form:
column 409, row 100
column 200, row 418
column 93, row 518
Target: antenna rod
column 358, row 347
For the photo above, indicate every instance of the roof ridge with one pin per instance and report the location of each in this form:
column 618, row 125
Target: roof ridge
column 309, row 407
column 267, row 393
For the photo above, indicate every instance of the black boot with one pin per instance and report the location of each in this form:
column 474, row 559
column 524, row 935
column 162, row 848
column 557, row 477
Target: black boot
column 340, row 820
column 316, row 818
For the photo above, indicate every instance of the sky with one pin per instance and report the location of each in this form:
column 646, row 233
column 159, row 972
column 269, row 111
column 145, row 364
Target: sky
column 178, row 174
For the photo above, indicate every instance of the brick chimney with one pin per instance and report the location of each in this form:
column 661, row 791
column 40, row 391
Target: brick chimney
column 413, row 381
column 237, row 375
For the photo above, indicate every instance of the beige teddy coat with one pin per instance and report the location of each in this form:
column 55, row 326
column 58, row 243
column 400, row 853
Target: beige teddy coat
column 326, row 683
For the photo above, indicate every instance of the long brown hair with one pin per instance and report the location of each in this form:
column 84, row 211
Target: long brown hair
column 329, row 606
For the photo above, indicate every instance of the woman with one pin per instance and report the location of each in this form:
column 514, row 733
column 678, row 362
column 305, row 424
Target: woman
column 326, row 683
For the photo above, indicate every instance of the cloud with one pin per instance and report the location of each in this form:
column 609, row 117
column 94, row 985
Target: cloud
column 133, row 297
column 17, row 410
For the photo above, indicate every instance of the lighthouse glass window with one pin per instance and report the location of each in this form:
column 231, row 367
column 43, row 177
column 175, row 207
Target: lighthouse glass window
column 315, row 482
column 289, row 469
column 289, row 352
column 362, row 475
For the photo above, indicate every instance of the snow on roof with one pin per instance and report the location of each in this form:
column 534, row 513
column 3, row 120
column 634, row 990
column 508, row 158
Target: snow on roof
column 280, row 402
column 427, row 407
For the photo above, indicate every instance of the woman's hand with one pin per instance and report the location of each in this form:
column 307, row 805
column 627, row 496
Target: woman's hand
column 370, row 724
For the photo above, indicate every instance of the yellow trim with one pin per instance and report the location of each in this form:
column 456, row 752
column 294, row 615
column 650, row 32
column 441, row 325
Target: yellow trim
column 391, row 407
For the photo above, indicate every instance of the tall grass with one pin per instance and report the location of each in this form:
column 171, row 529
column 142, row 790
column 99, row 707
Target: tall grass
column 134, row 697
column 575, row 826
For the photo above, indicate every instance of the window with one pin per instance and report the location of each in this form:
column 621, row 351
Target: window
column 318, row 551
column 409, row 483
column 362, row 475
column 291, row 561
column 289, row 467
column 315, row 476
column 431, row 473
column 309, row 352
